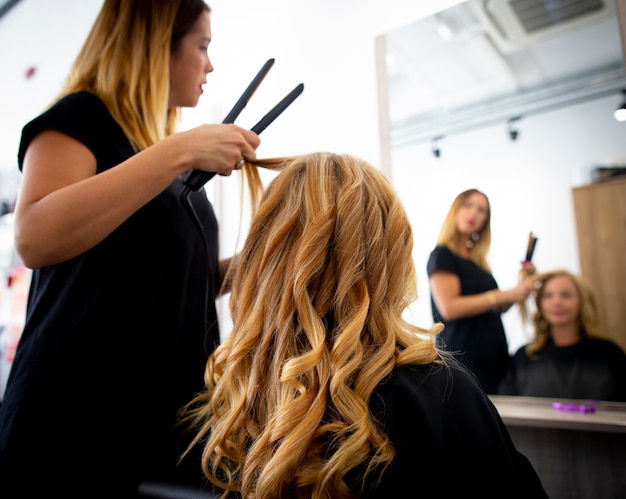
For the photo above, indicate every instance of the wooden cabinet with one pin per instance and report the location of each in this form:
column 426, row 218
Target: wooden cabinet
column 600, row 211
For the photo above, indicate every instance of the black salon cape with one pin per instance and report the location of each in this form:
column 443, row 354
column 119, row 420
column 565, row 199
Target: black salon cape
column 115, row 340
column 449, row 439
column 480, row 340
column 592, row 369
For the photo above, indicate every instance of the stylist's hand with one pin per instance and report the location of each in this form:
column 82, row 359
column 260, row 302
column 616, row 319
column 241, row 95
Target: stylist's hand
column 213, row 148
column 528, row 268
column 520, row 292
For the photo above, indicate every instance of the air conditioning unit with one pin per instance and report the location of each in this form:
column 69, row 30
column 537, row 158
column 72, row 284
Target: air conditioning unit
column 513, row 24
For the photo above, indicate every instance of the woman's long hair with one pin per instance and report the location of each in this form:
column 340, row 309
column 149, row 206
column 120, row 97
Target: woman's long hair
column 125, row 61
column 587, row 317
column 317, row 302
column 449, row 235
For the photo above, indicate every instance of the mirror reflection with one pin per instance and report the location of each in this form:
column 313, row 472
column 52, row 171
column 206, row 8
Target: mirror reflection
column 520, row 107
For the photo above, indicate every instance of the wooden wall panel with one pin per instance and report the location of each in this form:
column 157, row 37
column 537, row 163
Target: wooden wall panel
column 600, row 211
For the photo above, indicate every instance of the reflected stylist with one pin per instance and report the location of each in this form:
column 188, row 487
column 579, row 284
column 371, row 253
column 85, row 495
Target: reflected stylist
column 464, row 293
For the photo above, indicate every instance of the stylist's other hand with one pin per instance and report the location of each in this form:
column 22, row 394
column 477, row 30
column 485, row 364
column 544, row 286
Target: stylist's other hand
column 213, row 148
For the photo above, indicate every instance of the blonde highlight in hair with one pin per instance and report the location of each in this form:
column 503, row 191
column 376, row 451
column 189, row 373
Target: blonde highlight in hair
column 587, row 317
column 449, row 235
column 317, row 299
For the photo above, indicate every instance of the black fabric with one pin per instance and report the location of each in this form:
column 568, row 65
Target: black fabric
column 479, row 341
column 592, row 369
column 449, row 439
column 115, row 339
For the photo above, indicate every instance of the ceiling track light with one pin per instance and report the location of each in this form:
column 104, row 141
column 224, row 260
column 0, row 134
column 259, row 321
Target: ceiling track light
column 620, row 112
column 435, row 146
column 513, row 130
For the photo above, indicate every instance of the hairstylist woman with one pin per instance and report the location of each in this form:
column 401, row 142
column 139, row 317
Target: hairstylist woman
column 121, row 315
column 464, row 293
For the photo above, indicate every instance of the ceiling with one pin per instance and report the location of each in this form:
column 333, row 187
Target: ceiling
column 484, row 61
column 5, row 5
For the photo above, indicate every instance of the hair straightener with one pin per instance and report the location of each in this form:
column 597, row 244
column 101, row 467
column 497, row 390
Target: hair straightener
column 195, row 179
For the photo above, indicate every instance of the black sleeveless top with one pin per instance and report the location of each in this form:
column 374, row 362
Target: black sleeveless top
column 116, row 339
column 480, row 340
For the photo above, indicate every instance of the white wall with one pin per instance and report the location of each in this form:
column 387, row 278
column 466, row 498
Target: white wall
column 46, row 35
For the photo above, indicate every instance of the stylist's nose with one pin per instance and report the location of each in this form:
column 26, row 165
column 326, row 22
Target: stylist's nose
column 209, row 67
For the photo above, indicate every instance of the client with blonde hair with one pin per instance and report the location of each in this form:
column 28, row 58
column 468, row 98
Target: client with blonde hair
column 323, row 389
column 569, row 356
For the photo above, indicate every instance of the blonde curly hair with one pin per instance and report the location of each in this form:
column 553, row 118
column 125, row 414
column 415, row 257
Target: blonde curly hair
column 317, row 300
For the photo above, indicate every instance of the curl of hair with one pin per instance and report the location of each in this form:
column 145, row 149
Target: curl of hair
column 317, row 299
column 449, row 235
column 587, row 316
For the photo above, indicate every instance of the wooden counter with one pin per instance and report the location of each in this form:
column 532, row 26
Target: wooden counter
column 577, row 455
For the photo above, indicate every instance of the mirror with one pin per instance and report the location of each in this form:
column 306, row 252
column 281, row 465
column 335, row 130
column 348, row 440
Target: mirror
column 521, row 107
